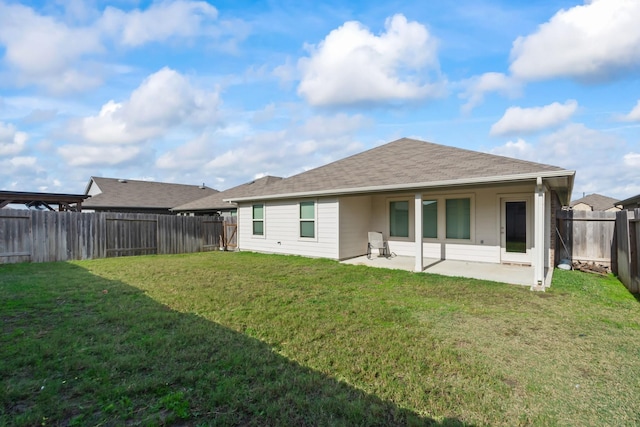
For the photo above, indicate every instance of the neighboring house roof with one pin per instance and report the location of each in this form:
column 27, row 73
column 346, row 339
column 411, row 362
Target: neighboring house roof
column 631, row 202
column 411, row 164
column 132, row 194
column 216, row 201
column 597, row 202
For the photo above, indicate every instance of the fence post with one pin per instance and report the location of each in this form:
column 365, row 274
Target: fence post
column 634, row 251
column 624, row 260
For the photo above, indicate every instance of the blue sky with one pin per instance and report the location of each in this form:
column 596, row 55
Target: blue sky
column 223, row 92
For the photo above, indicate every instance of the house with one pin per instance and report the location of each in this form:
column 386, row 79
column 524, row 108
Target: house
column 631, row 203
column 128, row 195
column 428, row 200
column 596, row 202
column 215, row 204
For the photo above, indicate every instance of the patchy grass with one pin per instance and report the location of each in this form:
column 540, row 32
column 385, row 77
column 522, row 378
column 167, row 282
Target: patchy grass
column 241, row 338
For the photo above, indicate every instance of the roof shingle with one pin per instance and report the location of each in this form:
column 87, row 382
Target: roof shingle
column 401, row 162
column 118, row 193
column 597, row 202
column 216, row 201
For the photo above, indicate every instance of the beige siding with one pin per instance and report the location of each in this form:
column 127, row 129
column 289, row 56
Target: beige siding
column 355, row 214
column 461, row 252
column 282, row 229
column 484, row 245
column 343, row 223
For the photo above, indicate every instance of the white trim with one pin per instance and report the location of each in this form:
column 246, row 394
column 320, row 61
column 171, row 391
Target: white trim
column 525, row 258
column 472, row 217
column 419, row 263
column 389, row 200
column 411, row 186
column 264, row 221
column 538, row 235
column 315, row 221
column 437, row 200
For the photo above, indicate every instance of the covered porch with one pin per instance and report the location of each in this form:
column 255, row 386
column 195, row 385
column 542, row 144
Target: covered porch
column 504, row 273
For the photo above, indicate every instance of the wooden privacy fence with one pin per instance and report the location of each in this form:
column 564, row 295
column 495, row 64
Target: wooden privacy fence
column 628, row 248
column 585, row 236
column 36, row 236
column 610, row 238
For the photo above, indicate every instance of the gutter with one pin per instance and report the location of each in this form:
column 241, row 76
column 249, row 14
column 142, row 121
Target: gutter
column 413, row 186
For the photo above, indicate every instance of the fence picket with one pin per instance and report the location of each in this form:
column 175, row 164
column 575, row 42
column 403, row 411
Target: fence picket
column 39, row 236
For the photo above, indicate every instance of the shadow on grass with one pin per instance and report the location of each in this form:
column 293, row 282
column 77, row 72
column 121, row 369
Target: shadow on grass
column 79, row 349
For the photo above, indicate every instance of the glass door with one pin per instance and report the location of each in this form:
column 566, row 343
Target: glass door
column 514, row 230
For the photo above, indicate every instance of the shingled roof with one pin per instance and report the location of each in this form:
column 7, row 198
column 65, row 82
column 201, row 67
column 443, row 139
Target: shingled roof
column 405, row 164
column 132, row 194
column 215, row 202
column 597, row 202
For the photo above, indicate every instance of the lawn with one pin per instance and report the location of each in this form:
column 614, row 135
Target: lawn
column 248, row 339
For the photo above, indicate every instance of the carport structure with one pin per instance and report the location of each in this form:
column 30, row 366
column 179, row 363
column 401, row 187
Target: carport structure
column 64, row 202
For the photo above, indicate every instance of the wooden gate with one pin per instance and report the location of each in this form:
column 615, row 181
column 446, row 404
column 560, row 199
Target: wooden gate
column 230, row 235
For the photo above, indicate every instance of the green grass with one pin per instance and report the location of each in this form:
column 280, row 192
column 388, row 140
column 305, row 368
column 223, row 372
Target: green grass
column 249, row 339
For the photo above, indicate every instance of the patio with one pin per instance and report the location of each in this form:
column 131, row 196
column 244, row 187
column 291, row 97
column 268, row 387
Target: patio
column 505, row 273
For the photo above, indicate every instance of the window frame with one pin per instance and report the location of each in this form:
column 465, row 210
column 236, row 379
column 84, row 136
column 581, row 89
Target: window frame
column 255, row 220
column 409, row 227
column 471, row 218
column 313, row 220
column 442, row 198
column 437, row 201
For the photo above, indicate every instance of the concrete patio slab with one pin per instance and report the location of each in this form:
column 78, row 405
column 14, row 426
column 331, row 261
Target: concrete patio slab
column 512, row 274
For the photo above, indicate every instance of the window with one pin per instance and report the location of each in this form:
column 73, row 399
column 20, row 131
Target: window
column 258, row 220
column 458, row 218
column 399, row 219
column 308, row 219
column 430, row 218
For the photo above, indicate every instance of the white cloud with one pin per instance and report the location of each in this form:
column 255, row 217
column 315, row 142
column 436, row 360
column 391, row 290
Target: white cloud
column 478, row 86
column 526, row 120
column 44, row 51
column 519, row 149
column 66, row 57
column 164, row 100
column 189, row 156
column 596, row 40
column 19, row 173
column 352, row 65
column 79, row 155
column 22, row 161
column 231, row 154
column 632, row 160
column 598, row 158
column 12, row 141
column 112, row 126
column 332, row 126
column 161, row 21
column 634, row 114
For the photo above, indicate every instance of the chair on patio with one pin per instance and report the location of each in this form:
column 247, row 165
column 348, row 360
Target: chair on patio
column 376, row 241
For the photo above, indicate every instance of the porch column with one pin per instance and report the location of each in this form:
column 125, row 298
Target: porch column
column 418, row 232
column 538, row 235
